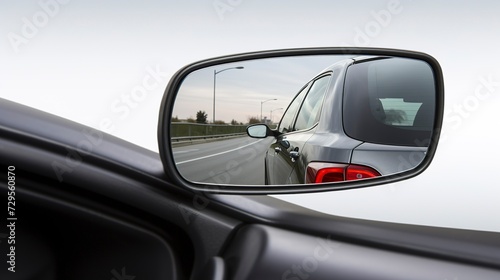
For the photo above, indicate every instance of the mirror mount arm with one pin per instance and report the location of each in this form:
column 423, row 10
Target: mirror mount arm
column 273, row 132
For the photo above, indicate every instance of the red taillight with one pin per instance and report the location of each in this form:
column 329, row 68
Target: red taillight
column 330, row 175
column 356, row 172
column 323, row 172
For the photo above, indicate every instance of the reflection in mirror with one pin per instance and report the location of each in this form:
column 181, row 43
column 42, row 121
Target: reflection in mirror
column 332, row 119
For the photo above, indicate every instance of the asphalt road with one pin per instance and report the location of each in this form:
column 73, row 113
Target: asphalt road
column 232, row 161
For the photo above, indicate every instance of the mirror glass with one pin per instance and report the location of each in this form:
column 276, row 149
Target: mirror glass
column 257, row 131
column 326, row 118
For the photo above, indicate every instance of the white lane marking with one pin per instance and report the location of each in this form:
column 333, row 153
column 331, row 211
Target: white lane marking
column 185, row 151
column 218, row 154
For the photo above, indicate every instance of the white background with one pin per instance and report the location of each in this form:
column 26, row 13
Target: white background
column 82, row 59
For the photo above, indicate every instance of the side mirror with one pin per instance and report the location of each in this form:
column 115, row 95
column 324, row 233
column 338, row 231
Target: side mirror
column 340, row 118
column 259, row 131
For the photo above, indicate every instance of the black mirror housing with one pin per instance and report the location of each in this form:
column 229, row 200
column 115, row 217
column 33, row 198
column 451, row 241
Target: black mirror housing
column 368, row 73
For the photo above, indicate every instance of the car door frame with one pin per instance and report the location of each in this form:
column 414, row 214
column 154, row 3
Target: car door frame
column 276, row 149
column 296, row 139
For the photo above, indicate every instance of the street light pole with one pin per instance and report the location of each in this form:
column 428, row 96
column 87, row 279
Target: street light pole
column 271, row 114
column 215, row 74
column 262, row 102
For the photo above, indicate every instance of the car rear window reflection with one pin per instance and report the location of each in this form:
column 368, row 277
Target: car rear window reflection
column 389, row 101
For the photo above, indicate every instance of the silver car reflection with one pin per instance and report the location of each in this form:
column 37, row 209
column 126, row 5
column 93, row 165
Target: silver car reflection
column 359, row 118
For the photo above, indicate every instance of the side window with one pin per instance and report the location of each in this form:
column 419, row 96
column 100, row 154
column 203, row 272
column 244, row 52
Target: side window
column 311, row 107
column 286, row 124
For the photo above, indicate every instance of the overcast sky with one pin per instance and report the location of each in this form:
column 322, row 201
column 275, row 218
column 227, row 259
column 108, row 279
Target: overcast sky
column 106, row 64
column 240, row 93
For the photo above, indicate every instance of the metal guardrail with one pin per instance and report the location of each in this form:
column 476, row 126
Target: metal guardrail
column 184, row 129
column 195, row 139
column 191, row 133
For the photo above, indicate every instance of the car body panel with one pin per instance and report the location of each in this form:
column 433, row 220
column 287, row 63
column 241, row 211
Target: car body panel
column 328, row 141
column 288, row 172
column 388, row 159
column 284, row 167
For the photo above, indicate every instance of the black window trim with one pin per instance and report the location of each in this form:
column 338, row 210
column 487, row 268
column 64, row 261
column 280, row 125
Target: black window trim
column 309, row 84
